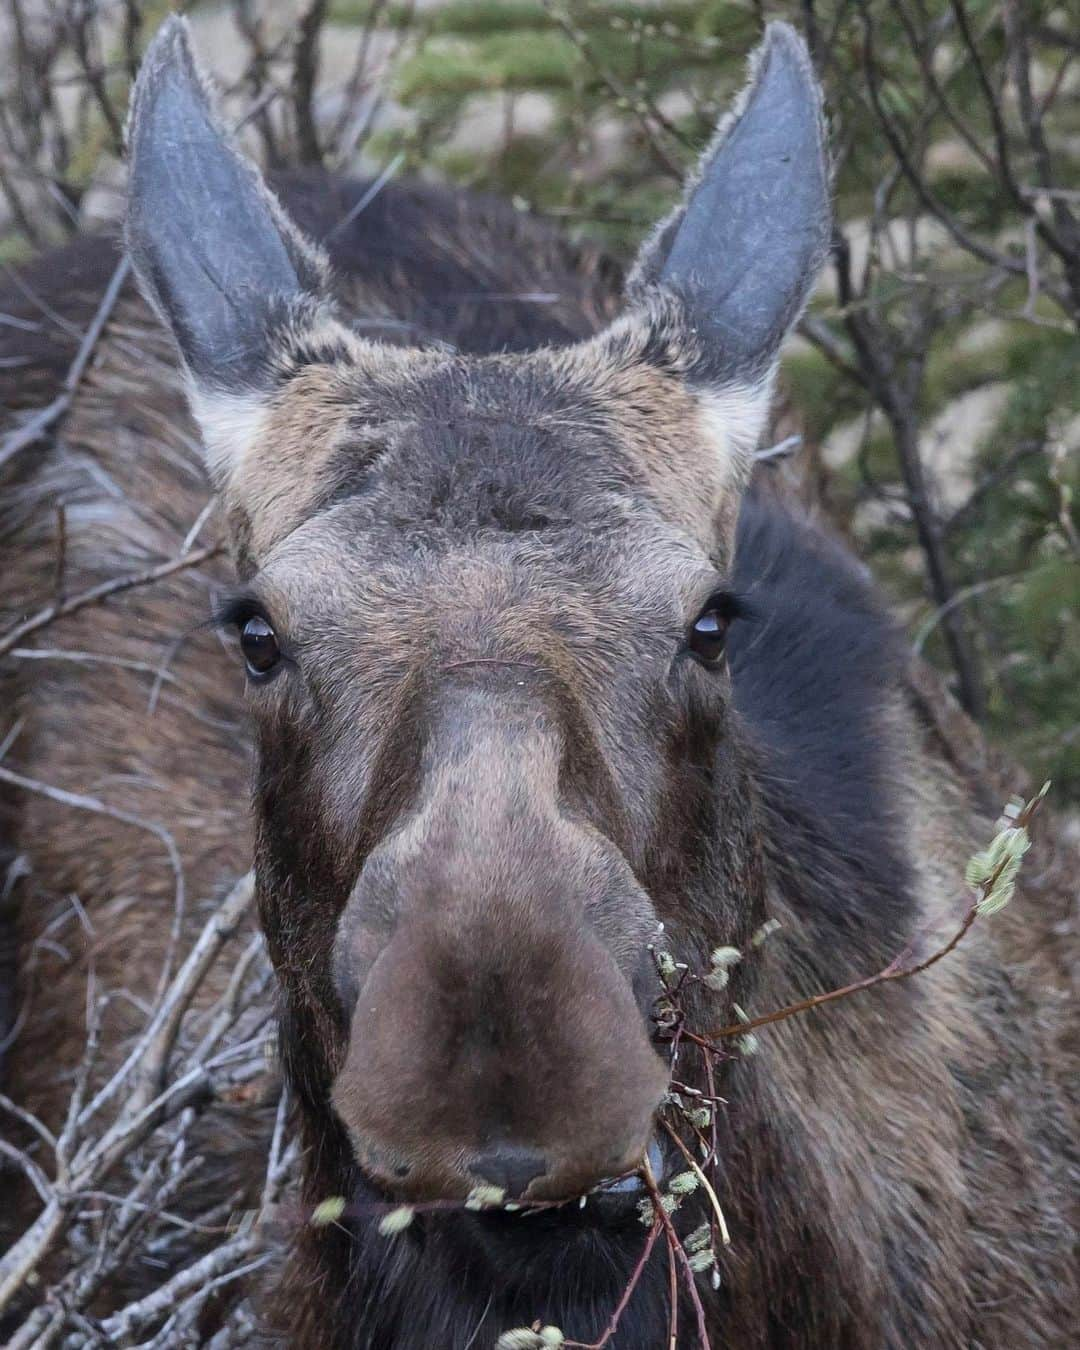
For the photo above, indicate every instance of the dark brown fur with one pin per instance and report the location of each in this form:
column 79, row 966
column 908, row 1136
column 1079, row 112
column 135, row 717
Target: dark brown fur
column 490, row 768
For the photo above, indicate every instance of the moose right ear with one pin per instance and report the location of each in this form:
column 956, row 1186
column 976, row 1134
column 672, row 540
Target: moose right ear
column 213, row 250
column 743, row 249
column 724, row 277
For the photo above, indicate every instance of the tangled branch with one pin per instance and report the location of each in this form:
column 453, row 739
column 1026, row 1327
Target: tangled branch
column 124, row 1157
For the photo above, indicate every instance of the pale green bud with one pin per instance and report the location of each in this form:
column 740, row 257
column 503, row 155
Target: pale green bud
column 521, row 1338
column 328, row 1211
column 396, row 1221
column 666, row 965
column 765, row 931
column 684, row 1184
column 721, row 962
column 485, row 1197
column 723, row 958
column 978, row 871
column 997, row 867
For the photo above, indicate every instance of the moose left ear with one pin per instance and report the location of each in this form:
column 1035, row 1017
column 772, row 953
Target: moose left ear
column 741, row 253
column 213, row 250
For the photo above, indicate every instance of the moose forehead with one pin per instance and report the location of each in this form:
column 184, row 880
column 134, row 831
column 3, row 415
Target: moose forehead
column 427, row 447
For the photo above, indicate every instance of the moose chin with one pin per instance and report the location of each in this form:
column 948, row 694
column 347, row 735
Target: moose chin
column 547, row 688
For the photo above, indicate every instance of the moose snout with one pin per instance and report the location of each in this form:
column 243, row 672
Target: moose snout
column 496, row 1038
column 526, row 1066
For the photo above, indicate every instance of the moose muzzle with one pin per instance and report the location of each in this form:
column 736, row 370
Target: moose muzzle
column 494, row 957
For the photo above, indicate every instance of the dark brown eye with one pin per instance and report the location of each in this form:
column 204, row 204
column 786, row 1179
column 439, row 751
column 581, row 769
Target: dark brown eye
column 259, row 645
column 708, row 633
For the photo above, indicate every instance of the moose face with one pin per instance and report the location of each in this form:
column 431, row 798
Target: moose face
column 467, row 716
column 482, row 612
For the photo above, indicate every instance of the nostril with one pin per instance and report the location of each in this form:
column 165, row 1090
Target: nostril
column 509, row 1168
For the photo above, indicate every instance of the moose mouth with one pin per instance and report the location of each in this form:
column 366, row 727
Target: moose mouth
column 633, row 1183
column 611, row 1200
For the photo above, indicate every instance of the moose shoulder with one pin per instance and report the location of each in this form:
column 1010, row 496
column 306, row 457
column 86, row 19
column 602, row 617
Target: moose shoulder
column 536, row 673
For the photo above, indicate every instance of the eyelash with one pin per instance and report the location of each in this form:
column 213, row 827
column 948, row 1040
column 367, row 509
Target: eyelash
column 730, row 603
column 235, row 611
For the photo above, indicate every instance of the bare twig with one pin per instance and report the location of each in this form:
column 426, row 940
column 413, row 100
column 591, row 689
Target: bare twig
column 40, row 422
column 645, row 112
column 96, row 807
column 628, row 1292
column 85, row 1154
column 104, row 591
column 896, row 969
column 961, row 597
column 151, row 1051
column 304, row 77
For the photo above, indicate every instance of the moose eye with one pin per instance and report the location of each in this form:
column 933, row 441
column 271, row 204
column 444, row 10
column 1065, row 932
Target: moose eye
column 708, row 633
column 259, row 644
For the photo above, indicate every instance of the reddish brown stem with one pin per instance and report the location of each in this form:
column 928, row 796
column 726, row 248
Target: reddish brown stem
column 675, row 1245
column 893, row 971
column 673, row 1300
column 635, row 1278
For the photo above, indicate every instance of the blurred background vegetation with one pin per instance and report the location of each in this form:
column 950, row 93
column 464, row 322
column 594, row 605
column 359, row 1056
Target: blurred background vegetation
column 935, row 383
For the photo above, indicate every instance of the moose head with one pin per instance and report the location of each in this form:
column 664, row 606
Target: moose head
column 483, row 607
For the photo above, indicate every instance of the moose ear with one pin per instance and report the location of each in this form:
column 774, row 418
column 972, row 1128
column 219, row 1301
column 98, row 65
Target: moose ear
column 213, row 250
column 741, row 253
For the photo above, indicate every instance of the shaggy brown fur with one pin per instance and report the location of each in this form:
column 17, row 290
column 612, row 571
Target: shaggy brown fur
column 490, row 766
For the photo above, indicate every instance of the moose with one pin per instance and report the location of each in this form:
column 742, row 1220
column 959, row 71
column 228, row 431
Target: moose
column 542, row 679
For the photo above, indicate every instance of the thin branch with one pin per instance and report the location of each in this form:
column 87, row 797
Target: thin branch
column 1064, row 237
column 46, row 417
column 152, row 1049
column 33, row 1172
column 680, row 1253
column 29, row 1120
column 964, row 238
column 305, row 74
column 99, row 808
column 692, row 1163
column 631, row 1284
column 104, row 591
column 960, row 597
column 645, row 113
column 83, row 1161
column 815, row 330
column 88, row 659
column 895, row 970
column 1008, row 466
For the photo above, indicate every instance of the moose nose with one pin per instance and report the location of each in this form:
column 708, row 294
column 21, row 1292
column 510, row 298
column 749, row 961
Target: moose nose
column 509, row 1168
